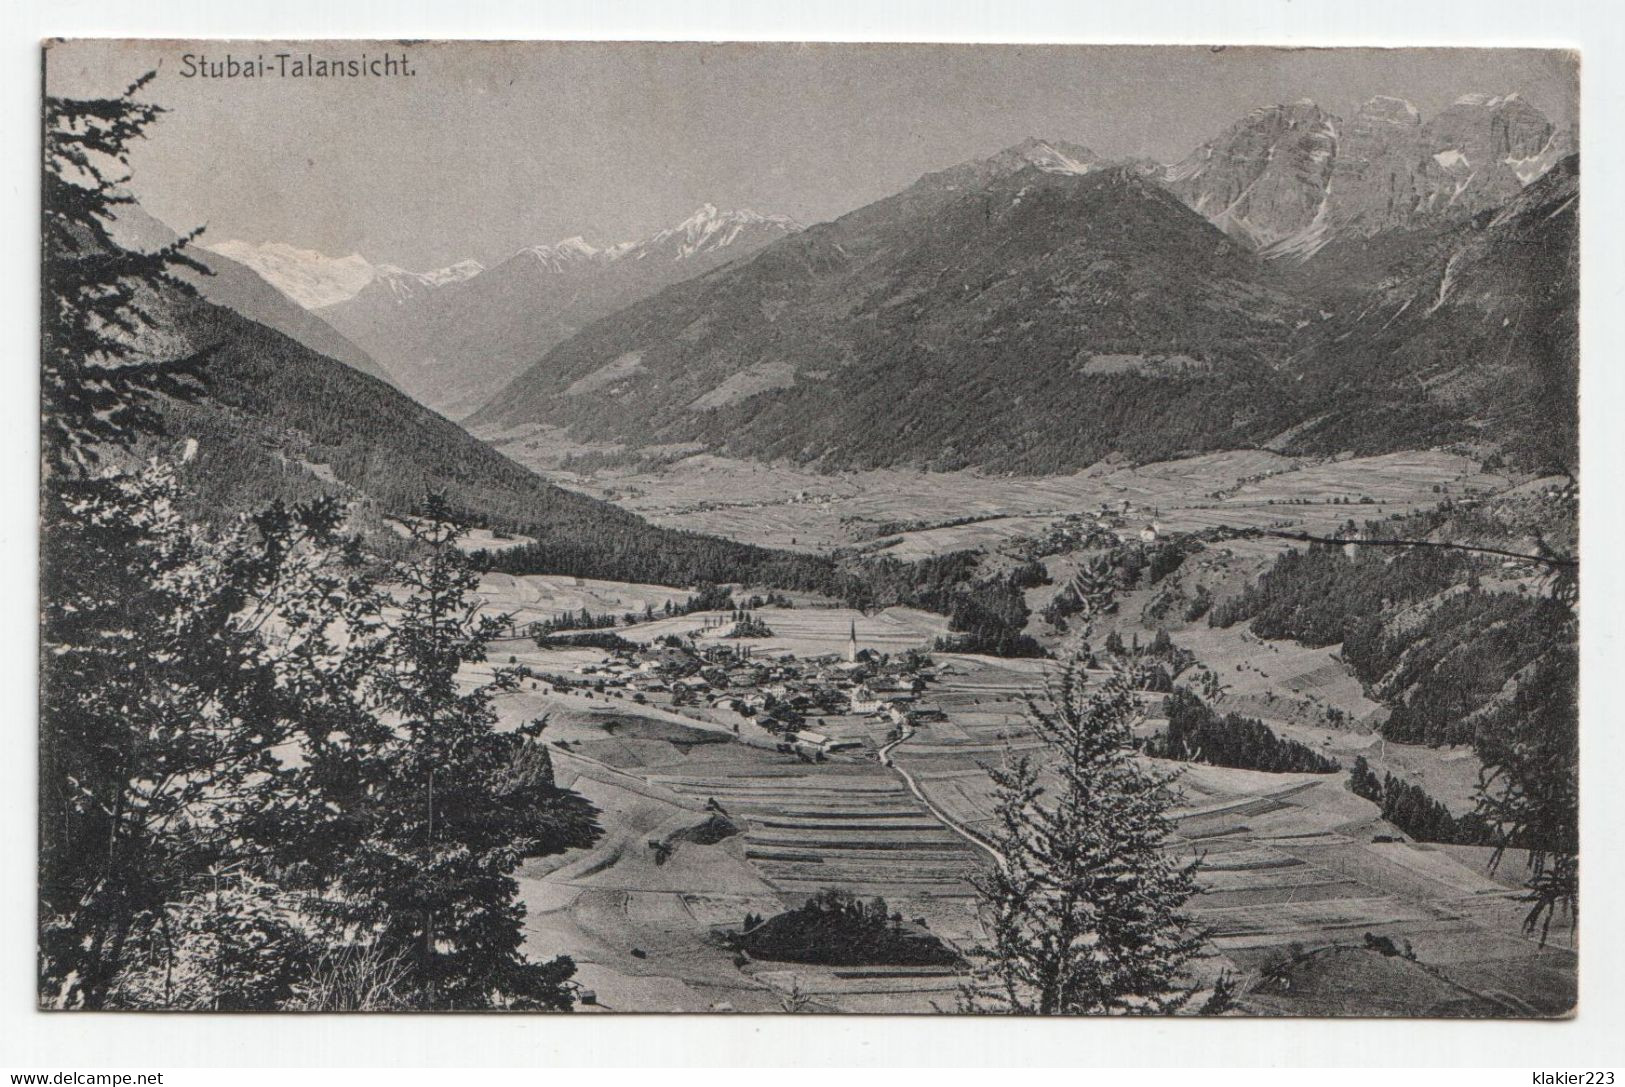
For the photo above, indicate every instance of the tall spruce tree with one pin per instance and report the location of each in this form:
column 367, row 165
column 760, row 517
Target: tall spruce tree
column 173, row 664
column 447, row 806
column 230, row 719
column 1085, row 910
column 96, row 296
column 176, row 668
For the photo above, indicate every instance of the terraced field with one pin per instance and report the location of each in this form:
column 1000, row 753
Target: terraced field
column 847, row 825
column 1292, row 876
column 1294, row 880
column 1290, row 865
column 642, row 929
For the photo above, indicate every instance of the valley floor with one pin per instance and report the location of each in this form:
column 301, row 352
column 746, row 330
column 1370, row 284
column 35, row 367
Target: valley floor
column 1294, row 876
column 1304, row 884
column 788, row 507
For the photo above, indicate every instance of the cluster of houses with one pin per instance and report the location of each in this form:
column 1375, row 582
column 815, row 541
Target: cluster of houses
column 1105, row 527
column 784, row 694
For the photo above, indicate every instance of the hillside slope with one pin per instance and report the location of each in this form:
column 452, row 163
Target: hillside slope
column 1029, row 313
column 280, row 421
column 458, row 343
column 243, row 290
column 1473, row 332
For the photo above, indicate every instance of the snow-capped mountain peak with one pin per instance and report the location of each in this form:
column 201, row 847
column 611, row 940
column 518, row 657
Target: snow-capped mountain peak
column 708, row 229
column 1288, row 179
column 315, row 280
column 564, row 255
column 1051, row 159
column 577, row 244
column 1397, row 111
column 310, row 278
column 453, row 273
column 403, row 284
column 1488, row 101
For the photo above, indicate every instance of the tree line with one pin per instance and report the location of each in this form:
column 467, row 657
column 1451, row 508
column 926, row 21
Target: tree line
column 1197, row 733
column 1409, row 807
column 262, row 785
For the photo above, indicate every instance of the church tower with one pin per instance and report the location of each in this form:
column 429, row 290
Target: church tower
column 852, row 643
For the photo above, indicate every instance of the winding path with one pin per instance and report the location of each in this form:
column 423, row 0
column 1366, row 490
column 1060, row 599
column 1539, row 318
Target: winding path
column 943, row 817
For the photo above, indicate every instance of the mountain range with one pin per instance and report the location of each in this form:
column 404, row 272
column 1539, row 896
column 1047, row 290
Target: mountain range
column 277, row 420
column 1289, row 179
column 971, row 319
column 243, row 290
column 1043, row 308
column 1299, row 281
column 453, row 336
column 1472, row 331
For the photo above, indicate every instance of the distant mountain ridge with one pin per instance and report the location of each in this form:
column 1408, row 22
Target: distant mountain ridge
column 1471, row 332
column 1028, row 311
column 310, row 278
column 241, row 289
column 1290, row 179
column 1040, row 309
column 1022, row 312
column 456, row 337
column 316, row 280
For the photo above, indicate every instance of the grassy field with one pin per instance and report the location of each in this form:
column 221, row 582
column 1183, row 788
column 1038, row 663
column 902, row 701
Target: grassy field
column 529, row 597
column 783, row 506
column 1293, row 881
column 809, row 632
column 802, row 827
column 1290, row 862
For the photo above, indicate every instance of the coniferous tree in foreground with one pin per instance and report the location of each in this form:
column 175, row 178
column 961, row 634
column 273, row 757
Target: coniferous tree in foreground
column 96, row 296
column 1529, row 790
column 1085, row 911
column 446, row 806
column 161, row 690
column 175, row 666
column 261, row 785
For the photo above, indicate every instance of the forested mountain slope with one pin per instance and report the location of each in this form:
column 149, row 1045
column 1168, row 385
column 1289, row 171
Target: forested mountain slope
column 1035, row 312
column 1031, row 318
column 1472, row 333
column 277, row 420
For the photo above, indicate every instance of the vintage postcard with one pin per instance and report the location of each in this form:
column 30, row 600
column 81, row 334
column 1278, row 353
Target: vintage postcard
column 796, row 528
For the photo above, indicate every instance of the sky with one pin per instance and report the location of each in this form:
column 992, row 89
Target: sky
column 488, row 147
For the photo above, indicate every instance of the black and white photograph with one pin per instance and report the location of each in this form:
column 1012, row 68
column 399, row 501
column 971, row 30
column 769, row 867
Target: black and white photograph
column 790, row 528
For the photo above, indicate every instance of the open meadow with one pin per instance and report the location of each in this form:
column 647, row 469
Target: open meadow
column 915, row 514
column 704, row 824
column 1299, row 873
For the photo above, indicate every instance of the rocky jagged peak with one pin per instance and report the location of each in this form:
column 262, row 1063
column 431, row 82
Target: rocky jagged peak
column 1264, row 178
column 1289, row 178
column 1051, row 156
column 569, row 253
column 1388, row 110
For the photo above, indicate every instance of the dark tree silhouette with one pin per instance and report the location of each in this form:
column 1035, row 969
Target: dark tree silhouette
column 97, row 296
column 445, row 807
column 1085, row 909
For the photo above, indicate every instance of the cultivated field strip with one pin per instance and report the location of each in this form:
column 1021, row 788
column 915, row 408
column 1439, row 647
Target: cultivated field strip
column 854, row 827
